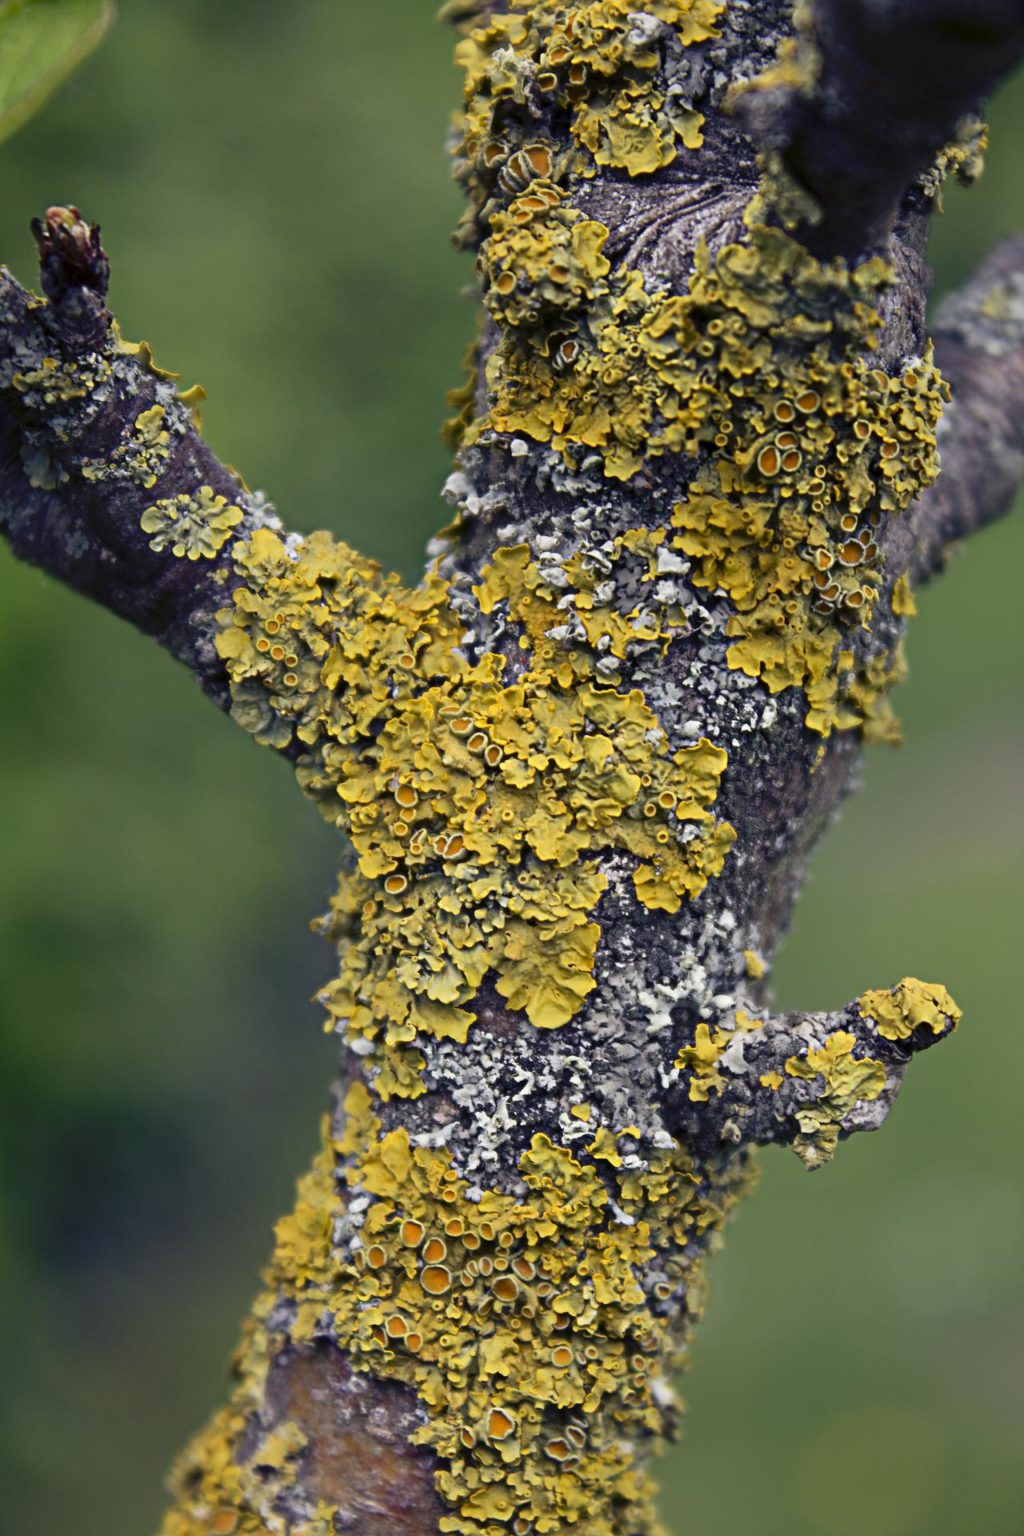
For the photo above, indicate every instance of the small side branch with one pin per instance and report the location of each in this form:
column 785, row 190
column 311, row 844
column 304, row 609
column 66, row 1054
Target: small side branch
column 979, row 345
column 808, row 1079
column 105, row 481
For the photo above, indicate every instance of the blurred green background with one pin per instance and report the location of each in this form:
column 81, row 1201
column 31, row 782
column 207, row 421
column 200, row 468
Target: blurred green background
column 275, row 198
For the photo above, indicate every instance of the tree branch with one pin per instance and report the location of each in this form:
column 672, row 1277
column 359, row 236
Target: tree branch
column 867, row 99
column 96, row 443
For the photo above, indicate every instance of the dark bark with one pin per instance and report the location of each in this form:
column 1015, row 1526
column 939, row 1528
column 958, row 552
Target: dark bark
column 886, row 82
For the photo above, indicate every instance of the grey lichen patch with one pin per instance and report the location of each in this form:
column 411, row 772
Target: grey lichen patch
column 990, row 321
column 43, row 471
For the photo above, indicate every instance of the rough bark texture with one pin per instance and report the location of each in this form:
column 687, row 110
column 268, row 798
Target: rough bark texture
column 579, row 769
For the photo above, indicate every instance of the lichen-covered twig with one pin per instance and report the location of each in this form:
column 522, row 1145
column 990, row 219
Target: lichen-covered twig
column 805, row 1080
column 579, row 767
column 104, row 478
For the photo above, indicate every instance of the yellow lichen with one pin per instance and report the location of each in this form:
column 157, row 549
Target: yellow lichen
column 762, row 367
column 963, row 157
column 903, row 604
column 543, row 260
column 56, row 381
column 910, row 1005
column 848, row 1081
column 195, row 526
column 142, row 352
column 462, row 399
column 233, row 1495
column 485, row 800
column 700, row 1061
column 866, row 691
column 755, row 965
column 797, row 64
column 142, row 457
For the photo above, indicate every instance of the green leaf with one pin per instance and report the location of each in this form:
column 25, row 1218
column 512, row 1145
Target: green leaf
column 41, row 42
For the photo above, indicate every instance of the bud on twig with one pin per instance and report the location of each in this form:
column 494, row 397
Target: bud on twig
column 74, row 270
